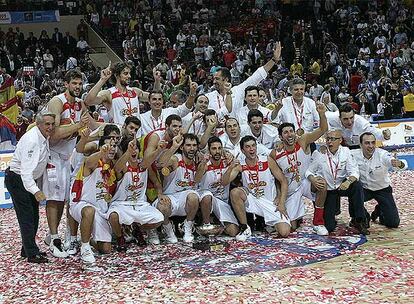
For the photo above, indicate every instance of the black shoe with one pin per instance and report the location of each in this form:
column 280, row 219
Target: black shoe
column 37, row 259
column 361, row 227
column 138, row 235
column 375, row 214
column 121, row 245
column 41, row 253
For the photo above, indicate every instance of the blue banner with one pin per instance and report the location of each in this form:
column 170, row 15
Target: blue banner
column 34, row 17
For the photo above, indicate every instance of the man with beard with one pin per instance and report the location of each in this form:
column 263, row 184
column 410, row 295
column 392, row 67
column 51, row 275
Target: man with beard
column 120, row 100
column 297, row 109
column 129, row 204
column 294, row 159
column 341, row 174
column 231, row 140
column 374, row 164
column 222, row 77
column 258, row 194
column 71, row 116
column 214, row 195
column 155, row 118
column 91, row 199
column 179, row 185
column 353, row 125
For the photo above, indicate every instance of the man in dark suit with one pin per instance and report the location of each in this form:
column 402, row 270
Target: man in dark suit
column 69, row 44
column 57, row 37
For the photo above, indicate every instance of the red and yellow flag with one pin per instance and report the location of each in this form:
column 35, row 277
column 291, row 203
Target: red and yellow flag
column 8, row 100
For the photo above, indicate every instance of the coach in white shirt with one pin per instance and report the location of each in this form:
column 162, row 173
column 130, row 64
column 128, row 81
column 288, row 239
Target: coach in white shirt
column 222, row 77
column 373, row 164
column 28, row 164
column 297, row 109
column 352, row 126
column 340, row 171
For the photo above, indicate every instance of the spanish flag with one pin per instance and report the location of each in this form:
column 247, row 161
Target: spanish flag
column 108, row 174
column 8, row 100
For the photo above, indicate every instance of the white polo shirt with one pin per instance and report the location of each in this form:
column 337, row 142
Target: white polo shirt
column 351, row 136
column 373, row 172
column 334, row 168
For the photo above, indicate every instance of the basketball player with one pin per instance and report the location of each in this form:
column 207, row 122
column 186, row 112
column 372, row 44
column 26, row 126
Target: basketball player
column 258, row 194
column 214, row 197
column 120, row 100
column 294, row 159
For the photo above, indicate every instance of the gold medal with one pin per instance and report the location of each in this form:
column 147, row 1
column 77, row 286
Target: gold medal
column 297, row 178
column 165, row 171
column 108, row 197
column 300, row 132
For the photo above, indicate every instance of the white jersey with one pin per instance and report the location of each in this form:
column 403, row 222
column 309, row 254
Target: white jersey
column 131, row 189
column 94, row 190
column 267, row 137
column 181, row 178
column 71, row 113
column 123, row 105
column 293, row 165
column 212, row 178
column 236, row 150
column 198, row 127
column 259, row 180
column 242, row 113
column 150, row 123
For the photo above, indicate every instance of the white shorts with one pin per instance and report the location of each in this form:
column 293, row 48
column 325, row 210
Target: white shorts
column 142, row 213
column 57, row 188
column 221, row 209
column 101, row 230
column 294, row 202
column 265, row 208
column 178, row 202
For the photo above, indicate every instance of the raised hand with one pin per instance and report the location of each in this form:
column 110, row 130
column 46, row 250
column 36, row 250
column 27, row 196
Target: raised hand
column 85, row 119
column 320, row 107
column 106, row 73
column 132, row 147
column 277, row 51
column 387, row 134
column 157, row 75
column 162, row 144
column 227, row 87
column 85, row 132
column 178, row 141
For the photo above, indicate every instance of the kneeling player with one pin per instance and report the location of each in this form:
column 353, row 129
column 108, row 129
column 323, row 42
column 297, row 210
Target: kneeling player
column 129, row 204
column 259, row 194
column 214, row 195
column 179, row 171
column 92, row 192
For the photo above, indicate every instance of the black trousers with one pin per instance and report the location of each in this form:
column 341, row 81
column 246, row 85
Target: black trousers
column 388, row 212
column 27, row 211
column 356, row 208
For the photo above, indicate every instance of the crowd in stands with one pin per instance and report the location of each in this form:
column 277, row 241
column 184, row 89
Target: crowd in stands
column 360, row 53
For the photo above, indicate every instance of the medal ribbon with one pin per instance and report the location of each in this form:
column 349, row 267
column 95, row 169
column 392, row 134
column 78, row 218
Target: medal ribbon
column 295, row 108
column 127, row 103
column 334, row 171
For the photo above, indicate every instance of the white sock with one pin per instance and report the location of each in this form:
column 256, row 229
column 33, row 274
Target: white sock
column 73, row 238
column 85, row 245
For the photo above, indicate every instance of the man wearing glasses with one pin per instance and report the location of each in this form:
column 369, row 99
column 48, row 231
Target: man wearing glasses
column 340, row 171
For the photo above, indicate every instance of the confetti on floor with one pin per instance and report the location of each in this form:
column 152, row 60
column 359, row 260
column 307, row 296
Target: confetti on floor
column 264, row 270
